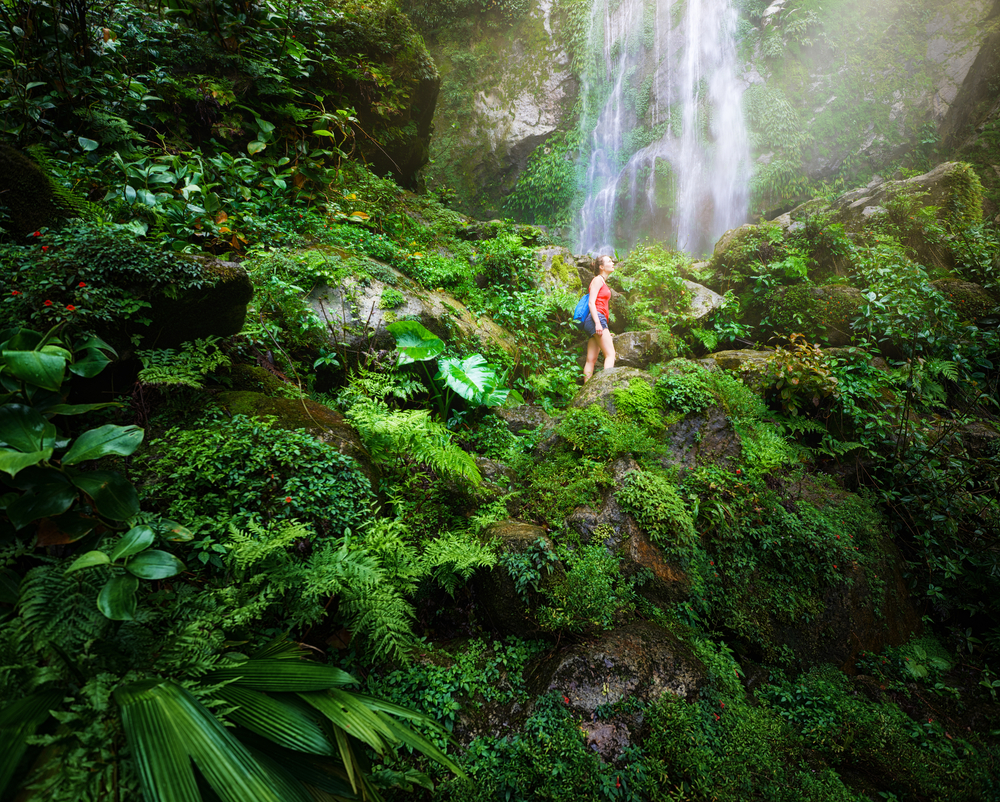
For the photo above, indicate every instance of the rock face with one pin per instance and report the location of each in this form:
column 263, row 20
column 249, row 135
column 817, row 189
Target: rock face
column 503, row 96
column 356, row 313
column 217, row 309
column 639, row 661
column 882, row 104
column 509, row 610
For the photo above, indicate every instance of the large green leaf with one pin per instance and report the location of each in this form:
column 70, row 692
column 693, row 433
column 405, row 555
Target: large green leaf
column 117, row 598
column 468, row 377
column 25, row 429
column 34, row 367
column 277, row 674
column 114, row 496
column 414, row 342
column 77, row 409
column 348, row 712
column 154, row 564
column 276, row 720
column 132, row 542
column 89, row 560
column 103, row 441
column 92, row 364
column 12, row 462
column 167, row 727
column 41, row 501
column 18, row 722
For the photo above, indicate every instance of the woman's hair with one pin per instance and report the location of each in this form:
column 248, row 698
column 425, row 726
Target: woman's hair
column 597, row 262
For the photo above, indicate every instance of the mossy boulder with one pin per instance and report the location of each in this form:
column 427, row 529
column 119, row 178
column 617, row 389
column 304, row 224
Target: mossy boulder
column 218, row 308
column 703, row 438
column 818, row 312
column 30, row 198
column 600, row 389
column 664, row 583
column 357, row 311
column 640, row 349
column 751, row 366
column 972, row 302
column 327, row 425
column 506, row 609
column 557, row 271
column 638, row 662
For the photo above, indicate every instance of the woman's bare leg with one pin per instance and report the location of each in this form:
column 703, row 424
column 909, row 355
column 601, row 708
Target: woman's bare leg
column 607, row 345
column 593, row 349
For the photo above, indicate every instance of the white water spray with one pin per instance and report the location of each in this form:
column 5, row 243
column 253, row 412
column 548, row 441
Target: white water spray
column 669, row 151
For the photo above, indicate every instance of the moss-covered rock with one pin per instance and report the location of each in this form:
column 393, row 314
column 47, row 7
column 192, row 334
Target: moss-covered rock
column 824, row 312
column 355, row 318
column 30, row 198
column 327, row 425
column 508, row 610
column 218, row 308
column 971, row 301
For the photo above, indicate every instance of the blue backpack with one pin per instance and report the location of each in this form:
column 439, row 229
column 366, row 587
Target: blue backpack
column 582, row 309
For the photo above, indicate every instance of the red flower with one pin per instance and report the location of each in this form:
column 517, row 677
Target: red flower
column 45, row 248
column 82, row 284
column 619, row 783
column 566, row 699
column 15, row 292
column 47, row 303
column 739, row 472
column 288, row 499
column 37, row 234
column 70, row 308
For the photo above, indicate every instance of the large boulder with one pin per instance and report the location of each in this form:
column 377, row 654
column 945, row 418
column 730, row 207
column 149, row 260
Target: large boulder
column 218, row 308
column 325, row 424
column 506, row 607
column 357, row 311
column 30, row 198
column 664, row 583
column 636, row 663
column 600, row 389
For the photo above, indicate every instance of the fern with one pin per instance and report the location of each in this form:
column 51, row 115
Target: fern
column 268, row 574
column 393, row 438
column 61, row 609
column 453, row 557
column 185, row 368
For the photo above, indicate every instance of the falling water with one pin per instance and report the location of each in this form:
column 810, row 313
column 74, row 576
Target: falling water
column 669, row 152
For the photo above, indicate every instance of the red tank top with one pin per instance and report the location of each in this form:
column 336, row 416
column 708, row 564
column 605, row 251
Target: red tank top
column 601, row 301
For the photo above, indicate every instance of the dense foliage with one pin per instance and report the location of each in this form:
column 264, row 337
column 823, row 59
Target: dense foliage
column 257, row 563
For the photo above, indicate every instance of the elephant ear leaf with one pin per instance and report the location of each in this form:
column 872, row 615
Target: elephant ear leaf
column 414, row 342
column 473, row 379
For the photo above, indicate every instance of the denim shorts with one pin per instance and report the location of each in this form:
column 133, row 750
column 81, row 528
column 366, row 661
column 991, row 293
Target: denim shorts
column 588, row 324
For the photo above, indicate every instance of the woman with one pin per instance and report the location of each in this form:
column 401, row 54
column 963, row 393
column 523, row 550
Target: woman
column 596, row 324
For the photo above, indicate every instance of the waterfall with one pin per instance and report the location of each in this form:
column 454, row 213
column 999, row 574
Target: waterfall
column 662, row 115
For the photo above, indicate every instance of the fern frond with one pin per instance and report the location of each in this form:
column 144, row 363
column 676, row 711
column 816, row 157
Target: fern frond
column 62, row 609
column 453, row 557
column 186, row 367
column 392, row 436
column 382, row 617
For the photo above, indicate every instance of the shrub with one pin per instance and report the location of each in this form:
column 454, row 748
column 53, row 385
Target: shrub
column 248, row 470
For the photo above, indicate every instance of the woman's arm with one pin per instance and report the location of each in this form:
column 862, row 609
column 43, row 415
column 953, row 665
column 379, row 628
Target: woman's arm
column 595, row 286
